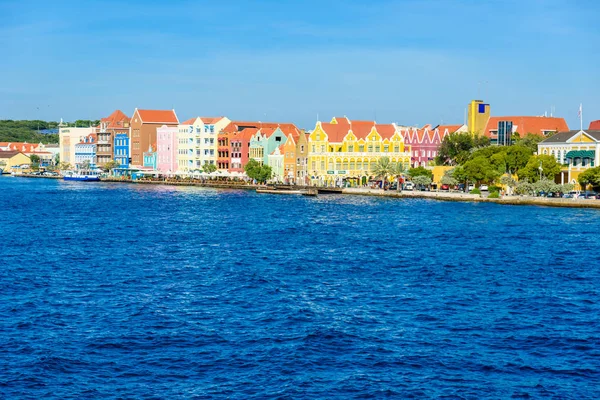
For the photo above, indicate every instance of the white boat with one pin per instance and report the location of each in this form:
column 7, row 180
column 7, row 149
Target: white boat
column 81, row 175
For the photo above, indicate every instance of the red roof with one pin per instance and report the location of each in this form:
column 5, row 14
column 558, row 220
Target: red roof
column 360, row 129
column 211, row 120
column 525, row 125
column 20, row 146
column 116, row 119
column 595, row 125
column 158, row 116
column 189, row 121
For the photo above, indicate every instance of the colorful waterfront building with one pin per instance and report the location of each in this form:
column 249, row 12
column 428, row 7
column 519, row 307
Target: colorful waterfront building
column 197, row 142
column 45, row 152
column 68, row 138
column 150, row 159
column 576, row 150
column 109, row 127
column 264, row 142
column 121, row 149
column 166, row 148
column 275, row 161
column 345, row 150
column 425, row 142
column 144, row 124
column 85, row 151
column 233, row 151
column 478, row 115
column 295, row 159
column 500, row 130
column 12, row 158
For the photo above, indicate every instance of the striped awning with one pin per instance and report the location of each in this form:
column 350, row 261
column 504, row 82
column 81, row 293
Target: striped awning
column 581, row 154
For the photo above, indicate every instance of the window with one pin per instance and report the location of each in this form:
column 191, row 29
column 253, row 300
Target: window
column 278, row 139
column 338, row 165
column 386, row 148
column 322, row 165
column 370, row 148
column 302, row 148
column 352, row 165
column 396, row 149
column 361, row 148
column 323, row 148
column 350, row 149
column 377, row 149
column 314, row 165
column 345, row 165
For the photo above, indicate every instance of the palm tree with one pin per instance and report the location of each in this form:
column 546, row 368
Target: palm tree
column 383, row 168
column 397, row 171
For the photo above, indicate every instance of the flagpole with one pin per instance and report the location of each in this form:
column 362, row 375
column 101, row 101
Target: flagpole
column 581, row 115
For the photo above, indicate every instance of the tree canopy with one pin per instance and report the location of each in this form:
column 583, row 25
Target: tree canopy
column 420, row 171
column 255, row 170
column 531, row 171
column 479, row 170
column 456, row 148
column 590, row 177
column 209, row 168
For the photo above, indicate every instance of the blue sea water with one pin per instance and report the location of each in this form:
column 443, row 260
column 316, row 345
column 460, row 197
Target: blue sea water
column 135, row 291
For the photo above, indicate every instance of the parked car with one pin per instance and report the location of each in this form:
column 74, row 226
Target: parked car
column 445, row 187
column 589, row 195
column 483, row 187
column 409, row 186
column 461, row 187
column 471, row 187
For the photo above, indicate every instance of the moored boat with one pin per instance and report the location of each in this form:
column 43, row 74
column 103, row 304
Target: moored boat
column 81, row 176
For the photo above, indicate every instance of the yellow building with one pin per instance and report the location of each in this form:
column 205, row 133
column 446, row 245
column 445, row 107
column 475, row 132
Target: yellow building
column 13, row 158
column 348, row 150
column 478, row 116
column 576, row 150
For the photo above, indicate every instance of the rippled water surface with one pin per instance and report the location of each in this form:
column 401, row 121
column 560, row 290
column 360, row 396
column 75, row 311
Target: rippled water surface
column 132, row 291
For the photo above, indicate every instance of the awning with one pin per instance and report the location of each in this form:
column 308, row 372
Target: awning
column 581, row 154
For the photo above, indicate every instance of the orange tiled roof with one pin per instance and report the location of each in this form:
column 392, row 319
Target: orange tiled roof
column 20, row 146
column 450, row 128
column 189, row 121
column 595, row 125
column 158, row 116
column 116, row 119
column 525, row 125
column 211, row 120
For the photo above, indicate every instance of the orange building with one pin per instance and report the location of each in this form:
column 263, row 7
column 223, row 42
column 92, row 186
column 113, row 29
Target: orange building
column 143, row 130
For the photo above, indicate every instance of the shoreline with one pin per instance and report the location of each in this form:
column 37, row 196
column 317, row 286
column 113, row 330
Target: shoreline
column 439, row 196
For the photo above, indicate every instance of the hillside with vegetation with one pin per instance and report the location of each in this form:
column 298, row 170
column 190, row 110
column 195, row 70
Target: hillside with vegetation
column 30, row 130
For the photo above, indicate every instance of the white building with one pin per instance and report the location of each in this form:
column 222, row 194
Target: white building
column 86, row 150
column 68, row 138
column 197, row 142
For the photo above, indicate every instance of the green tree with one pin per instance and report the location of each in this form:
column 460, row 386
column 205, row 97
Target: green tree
column 517, row 157
column 64, row 166
column 455, row 149
column 110, row 165
column 421, row 180
column 209, row 168
column 549, row 168
column 383, row 168
column 397, row 170
column 420, row 171
column 530, row 141
column 35, row 159
column 591, row 177
column 255, row 170
column 479, row 170
column 509, row 182
column 449, row 179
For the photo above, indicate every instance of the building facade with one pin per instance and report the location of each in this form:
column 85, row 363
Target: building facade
column 115, row 123
column 264, row 142
column 425, row 142
column 501, row 129
column 477, row 116
column 150, row 158
column 349, row 150
column 85, row 151
column 576, row 150
column 144, row 124
column 275, row 161
column 166, row 149
column 12, row 158
column 121, row 149
column 197, row 142
column 68, row 138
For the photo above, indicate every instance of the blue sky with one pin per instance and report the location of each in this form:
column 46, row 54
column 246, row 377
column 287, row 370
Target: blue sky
column 412, row 62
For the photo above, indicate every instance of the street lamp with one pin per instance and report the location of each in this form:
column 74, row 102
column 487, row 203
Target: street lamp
column 541, row 169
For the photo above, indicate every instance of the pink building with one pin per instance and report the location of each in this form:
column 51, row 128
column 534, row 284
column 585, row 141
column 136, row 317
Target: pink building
column 425, row 141
column 166, row 152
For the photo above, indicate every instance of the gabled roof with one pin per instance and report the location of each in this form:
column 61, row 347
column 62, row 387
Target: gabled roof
column 595, row 125
column 158, row 116
column 211, row 120
column 20, row 146
column 116, row 119
column 525, row 125
column 9, row 153
column 189, row 121
column 360, row 129
column 563, row 137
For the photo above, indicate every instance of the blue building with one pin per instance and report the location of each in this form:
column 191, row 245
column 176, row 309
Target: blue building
column 121, row 147
column 150, row 159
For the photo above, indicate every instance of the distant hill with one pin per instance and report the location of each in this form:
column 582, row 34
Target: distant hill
column 27, row 130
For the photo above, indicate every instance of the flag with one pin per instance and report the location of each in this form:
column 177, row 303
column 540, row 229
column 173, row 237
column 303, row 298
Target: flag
column 580, row 110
